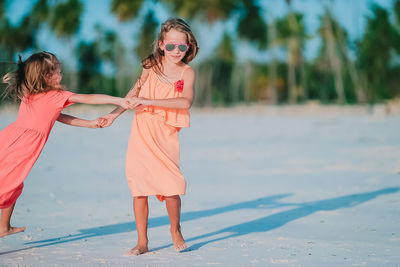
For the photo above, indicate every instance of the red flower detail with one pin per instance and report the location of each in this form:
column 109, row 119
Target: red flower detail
column 179, row 86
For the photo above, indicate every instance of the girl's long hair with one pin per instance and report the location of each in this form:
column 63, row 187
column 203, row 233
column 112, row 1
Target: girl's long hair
column 29, row 78
column 154, row 59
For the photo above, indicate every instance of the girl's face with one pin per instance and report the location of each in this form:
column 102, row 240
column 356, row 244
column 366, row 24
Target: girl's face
column 174, row 45
column 54, row 79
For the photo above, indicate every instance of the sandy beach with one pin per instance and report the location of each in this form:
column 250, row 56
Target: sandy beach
column 267, row 186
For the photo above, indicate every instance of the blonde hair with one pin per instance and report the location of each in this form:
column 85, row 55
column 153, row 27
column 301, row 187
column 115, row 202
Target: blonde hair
column 154, row 59
column 29, row 78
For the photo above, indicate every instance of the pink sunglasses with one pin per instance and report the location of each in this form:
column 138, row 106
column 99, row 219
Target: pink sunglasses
column 171, row 46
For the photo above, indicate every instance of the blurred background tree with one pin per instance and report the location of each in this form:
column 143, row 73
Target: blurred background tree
column 343, row 70
column 64, row 20
column 375, row 51
column 147, row 36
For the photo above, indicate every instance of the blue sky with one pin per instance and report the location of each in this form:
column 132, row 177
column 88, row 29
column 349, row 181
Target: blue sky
column 350, row 13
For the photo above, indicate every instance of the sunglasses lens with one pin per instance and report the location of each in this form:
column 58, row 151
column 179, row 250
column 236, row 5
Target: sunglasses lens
column 183, row 47
column 170, row 47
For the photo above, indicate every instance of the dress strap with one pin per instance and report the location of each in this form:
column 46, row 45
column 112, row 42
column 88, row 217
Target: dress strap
column 183, row 71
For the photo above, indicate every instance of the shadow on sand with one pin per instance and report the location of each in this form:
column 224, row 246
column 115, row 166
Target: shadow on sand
column 263, row 224
column 270, row 222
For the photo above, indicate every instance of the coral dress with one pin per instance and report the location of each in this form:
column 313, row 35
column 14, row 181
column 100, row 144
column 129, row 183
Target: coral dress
column 23, row 140
column 152, row 161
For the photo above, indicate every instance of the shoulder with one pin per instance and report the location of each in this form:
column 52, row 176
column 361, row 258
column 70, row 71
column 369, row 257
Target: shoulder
column 65, row 93
column 61, row 98
column 58, row 93
column 145, row 74
column 188, row 73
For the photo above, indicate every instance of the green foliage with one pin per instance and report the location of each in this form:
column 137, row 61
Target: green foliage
column 126, row 9
column 395, row 34
column 224, row 51
column 108, row 45
column 39, row 13
column 89, row 68
column 210, row 10
column 107, row 41
column 397, row 11
column 65, row 19
column 147, row 35
column 15, row 38
column 393, row 82
column 374, row 53
column 252, row 25
column 291, row 28
column 2, row 9
column 92, row 56
column 221, row 68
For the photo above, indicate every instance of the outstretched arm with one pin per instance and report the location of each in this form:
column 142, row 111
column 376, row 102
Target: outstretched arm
column 183, row 102
column 178, row 102
column 101, row 99
column 74, row 121
column 110, row 117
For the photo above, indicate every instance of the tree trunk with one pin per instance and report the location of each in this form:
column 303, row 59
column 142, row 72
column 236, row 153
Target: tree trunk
column 247, row 75
column 73, row 77
column 272, row 90
column 303, row 78
column 236, row 78
column 294, row 47
column 354, row 75
column 291, row 71
column 334, row 61
column 119, row 66
column 208, row 87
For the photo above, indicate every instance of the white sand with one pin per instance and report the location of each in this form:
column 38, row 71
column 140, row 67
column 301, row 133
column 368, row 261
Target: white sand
column 267, row 186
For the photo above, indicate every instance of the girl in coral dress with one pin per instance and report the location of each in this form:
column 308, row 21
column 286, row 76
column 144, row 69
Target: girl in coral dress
column 164, row 94
column 36, row 83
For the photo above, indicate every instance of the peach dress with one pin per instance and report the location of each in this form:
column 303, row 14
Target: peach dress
column 22, row 141
column 152, row 161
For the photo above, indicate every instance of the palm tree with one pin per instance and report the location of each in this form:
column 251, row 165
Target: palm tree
column 396, row 27
column 342, row 42
column 252, row 26
column 374, row 53
column 2, row 9
column 112, row 52
column 222, row 66
column 330, row 47
column 147, row 35
column 39, row 14
column 65, row 19
column 210, row 10
column 89, row 64
column 65, row 22
column 272, row 89
column 292, row 35
column 126, row 9
column 14, row 38
column 395, row 68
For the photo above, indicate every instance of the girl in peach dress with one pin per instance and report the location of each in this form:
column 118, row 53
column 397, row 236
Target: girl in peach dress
column 164, row 94
column 36, row 83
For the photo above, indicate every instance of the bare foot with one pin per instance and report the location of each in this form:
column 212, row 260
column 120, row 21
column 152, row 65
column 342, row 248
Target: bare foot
column 177, row 239
column 136, row 251
column 12, row 230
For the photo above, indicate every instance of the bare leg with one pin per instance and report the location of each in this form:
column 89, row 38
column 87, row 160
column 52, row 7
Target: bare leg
column 5, row 227
column 141, row 210
column 173, row 204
